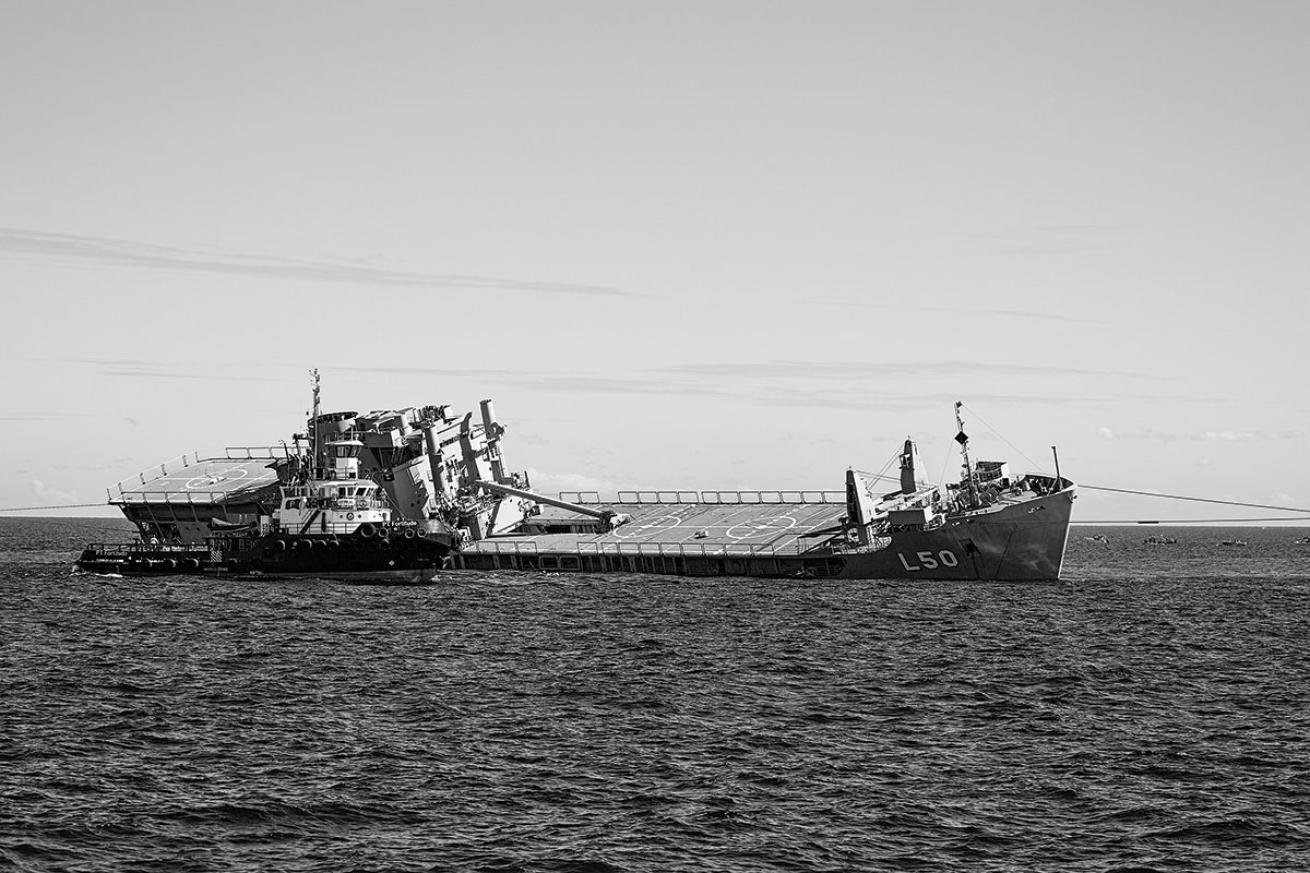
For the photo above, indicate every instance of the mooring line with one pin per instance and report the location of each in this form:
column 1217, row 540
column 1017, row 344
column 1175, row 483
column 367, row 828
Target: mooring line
column 63, row 506
column 1150, row 521
column 1195, row 499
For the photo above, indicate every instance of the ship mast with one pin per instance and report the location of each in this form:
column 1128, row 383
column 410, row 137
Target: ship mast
column 963, row 439
column 313, row 426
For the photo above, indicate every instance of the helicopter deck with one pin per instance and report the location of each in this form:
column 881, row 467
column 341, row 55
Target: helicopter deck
column 194, row 479
column 748, row 524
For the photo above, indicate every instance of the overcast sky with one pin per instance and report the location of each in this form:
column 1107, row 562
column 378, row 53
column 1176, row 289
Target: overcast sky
column 698, row 245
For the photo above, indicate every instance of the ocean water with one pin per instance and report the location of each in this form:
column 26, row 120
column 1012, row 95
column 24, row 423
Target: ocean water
column 1149, row 712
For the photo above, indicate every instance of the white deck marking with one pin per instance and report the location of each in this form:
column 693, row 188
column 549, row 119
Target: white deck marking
column 762, row 527
column 207, row 483
column 647, row 528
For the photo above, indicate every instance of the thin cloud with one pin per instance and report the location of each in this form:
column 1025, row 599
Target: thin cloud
column 137, row 369
column 891, row 370
column 1209, row 436
column 71, row 248
column 1247, row 436
column 778, row 383
column 957, row 310
column 34, row 416
column 18, row 416
column 1054, row 239
column 801, row 397
column 1146, row 434
column 42, row 491
column 740, row 381
column 579, row 384
column 444, row 372
column 557, row 382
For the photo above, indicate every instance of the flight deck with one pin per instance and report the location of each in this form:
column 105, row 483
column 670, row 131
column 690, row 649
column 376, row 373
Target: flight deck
column 735, row 532
column 200, row 479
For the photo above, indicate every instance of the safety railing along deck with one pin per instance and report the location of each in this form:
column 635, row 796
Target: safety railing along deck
column 191, row 459
column 728, row 497
column 716, row 550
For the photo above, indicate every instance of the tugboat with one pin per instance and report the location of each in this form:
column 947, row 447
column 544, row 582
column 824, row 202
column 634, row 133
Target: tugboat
column 328, row 523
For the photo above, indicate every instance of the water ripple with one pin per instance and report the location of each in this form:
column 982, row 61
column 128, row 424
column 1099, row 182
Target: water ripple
column 1149, row 714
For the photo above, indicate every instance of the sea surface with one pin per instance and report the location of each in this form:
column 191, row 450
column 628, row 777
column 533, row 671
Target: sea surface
column 1149, row 712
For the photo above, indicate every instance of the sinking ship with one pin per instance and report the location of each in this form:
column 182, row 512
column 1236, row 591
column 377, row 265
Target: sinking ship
column 401, row 495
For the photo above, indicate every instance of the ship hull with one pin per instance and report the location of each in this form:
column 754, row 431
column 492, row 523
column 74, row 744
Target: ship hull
column 1021, row 541
column 385, row 559
column 1015, row 541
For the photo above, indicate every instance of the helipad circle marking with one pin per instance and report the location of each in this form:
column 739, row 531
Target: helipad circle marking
column 634, row 530
column 207, row 483
column 761, row 527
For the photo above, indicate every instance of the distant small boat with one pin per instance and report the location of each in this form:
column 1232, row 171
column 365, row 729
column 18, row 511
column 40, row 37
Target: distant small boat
column 1098, row 538
column 1157, row 540
column 1303, row 541
column 1232, row 542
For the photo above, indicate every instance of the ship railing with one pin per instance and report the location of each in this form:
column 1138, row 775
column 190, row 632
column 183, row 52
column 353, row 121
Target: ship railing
column 733, row 497
column 581, row 497
column 258, row 453
column 683, row 550
column 876, row 544
column 174, row 464
column 698, row 550
column 137, row 547
column 194, row 498
column 348, row 504
column 332, row 527
column 501, row 547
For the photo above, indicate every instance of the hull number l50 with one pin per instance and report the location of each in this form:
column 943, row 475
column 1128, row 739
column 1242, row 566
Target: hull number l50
column 929, row 561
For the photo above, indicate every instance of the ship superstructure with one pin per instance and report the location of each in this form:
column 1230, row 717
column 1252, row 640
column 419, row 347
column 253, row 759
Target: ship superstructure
column 418, row 464
column 385, row 495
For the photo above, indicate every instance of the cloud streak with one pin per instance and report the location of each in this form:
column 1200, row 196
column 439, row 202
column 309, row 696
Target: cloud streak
column 893, row 370
column 1209, row 436
column 1055, row 239
column 73, row 249
column 788, row 384
column 958, row 310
